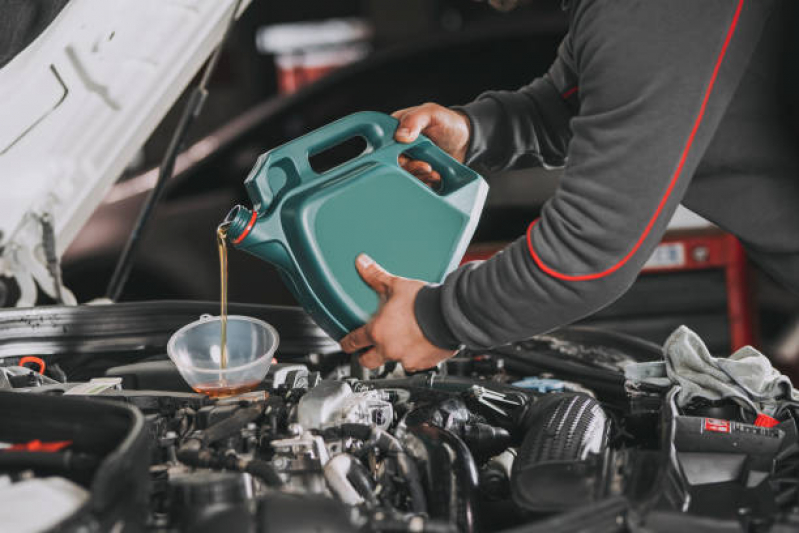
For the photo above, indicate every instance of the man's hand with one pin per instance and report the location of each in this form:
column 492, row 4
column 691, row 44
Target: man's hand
column 393, row 333
column 449, row 129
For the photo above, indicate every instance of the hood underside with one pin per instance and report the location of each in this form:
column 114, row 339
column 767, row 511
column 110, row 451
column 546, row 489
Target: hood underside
column 79, row 102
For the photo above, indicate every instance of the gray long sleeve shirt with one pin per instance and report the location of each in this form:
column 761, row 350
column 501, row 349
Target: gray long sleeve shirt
column 648, row 104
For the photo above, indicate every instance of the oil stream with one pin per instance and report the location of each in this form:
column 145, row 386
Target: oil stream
column 221, row 243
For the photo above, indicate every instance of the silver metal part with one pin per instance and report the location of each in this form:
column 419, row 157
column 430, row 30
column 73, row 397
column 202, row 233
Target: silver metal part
column 307, row 444
column 332, row 403
column 488, row 398
column 368, row 407
column 336, row 476
column 317, row 408
column 298, row 373
column 300, row 461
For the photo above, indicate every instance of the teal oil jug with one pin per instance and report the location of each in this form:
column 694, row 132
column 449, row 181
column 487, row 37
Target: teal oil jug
column 312, row 225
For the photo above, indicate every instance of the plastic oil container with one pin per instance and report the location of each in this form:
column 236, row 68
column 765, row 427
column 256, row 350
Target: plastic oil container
column 312, row 225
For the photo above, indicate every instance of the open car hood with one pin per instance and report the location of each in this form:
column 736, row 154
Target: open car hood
column 77, row 104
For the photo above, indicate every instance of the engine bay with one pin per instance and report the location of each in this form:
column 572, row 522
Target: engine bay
column 544, row 435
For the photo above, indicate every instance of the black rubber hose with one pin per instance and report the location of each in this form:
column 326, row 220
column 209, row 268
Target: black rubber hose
column 232, row 425
column 62, row 461
column 194, row 454
column 450, row 476
column 361, row 481
column 389, row 444
column 264, row 471
column 605, row 383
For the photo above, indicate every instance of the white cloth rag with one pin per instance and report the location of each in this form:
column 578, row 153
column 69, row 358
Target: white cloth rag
column 745, row 377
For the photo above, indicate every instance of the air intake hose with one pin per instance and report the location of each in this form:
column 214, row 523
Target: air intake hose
column 563, row 460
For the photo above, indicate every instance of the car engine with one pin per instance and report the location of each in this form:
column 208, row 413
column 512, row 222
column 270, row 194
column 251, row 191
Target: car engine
column 544, row 435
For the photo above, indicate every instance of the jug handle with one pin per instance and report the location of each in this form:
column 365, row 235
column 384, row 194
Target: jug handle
column 377, row 129
column 454, row 175
column 293, row 157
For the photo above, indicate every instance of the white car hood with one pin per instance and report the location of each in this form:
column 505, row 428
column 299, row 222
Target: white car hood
column 77, row 104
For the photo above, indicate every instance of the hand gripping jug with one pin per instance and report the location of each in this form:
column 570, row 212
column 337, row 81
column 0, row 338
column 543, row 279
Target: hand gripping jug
column 312, row 226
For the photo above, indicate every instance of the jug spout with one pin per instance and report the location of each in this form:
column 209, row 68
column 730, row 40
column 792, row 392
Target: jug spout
column 241, row 221
column 259, row 237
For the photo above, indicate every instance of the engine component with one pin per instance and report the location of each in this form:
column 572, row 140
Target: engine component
column 282, row 512
column 195, row 450
column 332, row 403
column 114, row 434
column 711, row 450
column 391, row 446
column 453, row 415
column 348, row 479
column 320, row 404
column 23, row 501
column 289, row 376
column 495, row 475
column 211, row 501
column 449, row 473
column 394, row 455
column 301, row 460
column 562, row 462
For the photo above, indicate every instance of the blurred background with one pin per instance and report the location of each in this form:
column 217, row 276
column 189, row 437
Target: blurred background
column 290, row 67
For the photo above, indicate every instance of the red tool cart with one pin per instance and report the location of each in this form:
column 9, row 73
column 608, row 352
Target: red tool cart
column 696, row 277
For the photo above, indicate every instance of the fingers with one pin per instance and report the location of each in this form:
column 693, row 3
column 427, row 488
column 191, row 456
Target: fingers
column 418, row 168
column 398, row 114
column 424, row 172
column 374, row 275
column 356, row 340
column 421, row 170
column 371, row 359
column 412, row 122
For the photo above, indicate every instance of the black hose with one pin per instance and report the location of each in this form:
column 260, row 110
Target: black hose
column 450, row 476
column 264, row 471
column 231, row 425
column 389, row 444
column 606, row 384
column 193, row 453
column 362, row 482
column 62, row 461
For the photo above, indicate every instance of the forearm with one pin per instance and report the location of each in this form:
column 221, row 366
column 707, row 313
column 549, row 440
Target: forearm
column 505, row 299
column 642, row 130
column 517, row 129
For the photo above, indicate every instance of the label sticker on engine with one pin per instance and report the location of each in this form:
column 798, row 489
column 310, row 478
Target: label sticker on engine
column 668, row 255
column 715, row 424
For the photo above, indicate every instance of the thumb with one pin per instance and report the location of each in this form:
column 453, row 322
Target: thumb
column 373, row 274
column 412, row 124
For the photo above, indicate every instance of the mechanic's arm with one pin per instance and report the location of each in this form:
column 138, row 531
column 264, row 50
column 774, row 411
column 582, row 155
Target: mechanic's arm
column 655, row 81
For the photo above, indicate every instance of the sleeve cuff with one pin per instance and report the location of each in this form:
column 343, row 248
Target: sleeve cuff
column 482, row 114
column 430, row 318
